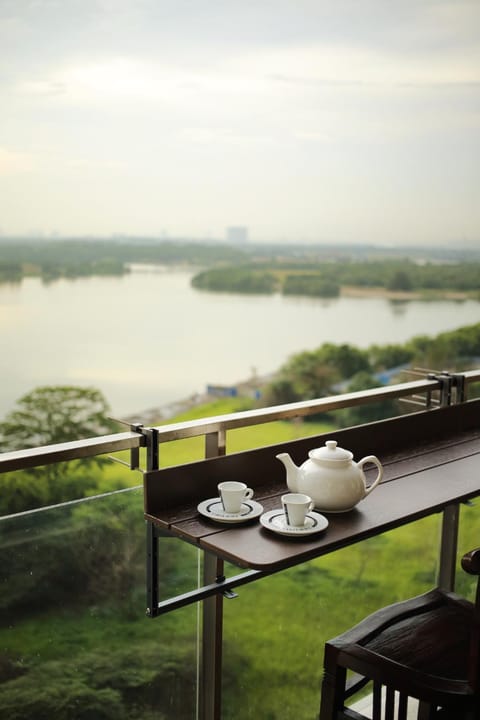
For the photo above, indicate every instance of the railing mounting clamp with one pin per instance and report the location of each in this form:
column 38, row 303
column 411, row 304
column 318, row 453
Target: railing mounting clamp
column 134, row 463
column 446, row 384
column 229, row 594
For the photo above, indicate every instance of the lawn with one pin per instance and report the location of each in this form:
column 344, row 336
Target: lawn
column 177, row 452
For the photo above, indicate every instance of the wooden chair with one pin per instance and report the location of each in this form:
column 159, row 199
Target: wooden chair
column 426, row 648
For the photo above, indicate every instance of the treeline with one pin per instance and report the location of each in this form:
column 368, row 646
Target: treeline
column 236, row 279
column 49, row 415
column 331, row 369
column 51, row 259
column 256, row 280
column 327, row 278
column 293, row 270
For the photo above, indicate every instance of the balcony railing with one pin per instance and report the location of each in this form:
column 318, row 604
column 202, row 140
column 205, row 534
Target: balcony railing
column 435, row 389
column 81, row 545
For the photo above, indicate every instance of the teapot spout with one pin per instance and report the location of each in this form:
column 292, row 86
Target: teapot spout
column 292, row 471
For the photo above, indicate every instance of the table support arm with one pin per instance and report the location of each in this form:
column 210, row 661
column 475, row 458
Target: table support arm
column 448, row 548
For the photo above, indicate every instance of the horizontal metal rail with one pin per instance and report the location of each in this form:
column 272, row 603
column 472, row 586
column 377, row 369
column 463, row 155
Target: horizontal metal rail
column 74, row 450
column 471, row 376
column 77, row 449
column 222, row 585
column 204, row 426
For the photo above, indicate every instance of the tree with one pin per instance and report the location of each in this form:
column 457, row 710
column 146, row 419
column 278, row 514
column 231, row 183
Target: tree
column 346, row 359
column 55, row 414
column 46, row 416
column 370, row 412
column 309, row 377
column 316, row 285
column 280, row 392
column 235, row 279
column 400, row 280
column 384, row 357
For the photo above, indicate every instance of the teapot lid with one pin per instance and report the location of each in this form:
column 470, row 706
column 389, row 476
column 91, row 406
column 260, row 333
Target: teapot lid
column 330, row 451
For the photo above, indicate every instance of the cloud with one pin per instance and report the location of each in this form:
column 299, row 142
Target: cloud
column 116, row 79
column 42, row 88
column 14, row 163
column 153, row 106
column 222, row 136
column 350, row 67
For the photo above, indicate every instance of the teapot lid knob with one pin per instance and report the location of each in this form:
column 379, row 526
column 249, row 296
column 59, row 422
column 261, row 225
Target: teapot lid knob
column 331, row 444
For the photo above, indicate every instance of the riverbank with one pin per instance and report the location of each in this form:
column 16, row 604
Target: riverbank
column 246, row 390
column 179, row 339
column 357, row 291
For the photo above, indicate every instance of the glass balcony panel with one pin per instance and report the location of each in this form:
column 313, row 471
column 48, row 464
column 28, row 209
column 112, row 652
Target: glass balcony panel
column 468, row 539
column 275, row 630
column 75, row 642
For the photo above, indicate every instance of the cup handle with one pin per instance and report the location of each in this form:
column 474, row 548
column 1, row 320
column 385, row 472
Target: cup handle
column 311, row 506
column 248, row 494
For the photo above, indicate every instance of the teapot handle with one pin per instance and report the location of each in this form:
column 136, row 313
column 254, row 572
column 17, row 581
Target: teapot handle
column 375, row 461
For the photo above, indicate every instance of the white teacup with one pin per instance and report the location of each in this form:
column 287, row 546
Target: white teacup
column 296, row 506
column 233, row 494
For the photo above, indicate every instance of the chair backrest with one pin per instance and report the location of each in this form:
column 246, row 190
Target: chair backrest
column 396, row 648
column 471, row 565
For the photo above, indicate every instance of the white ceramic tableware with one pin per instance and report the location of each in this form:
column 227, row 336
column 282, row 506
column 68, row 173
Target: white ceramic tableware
column 296, row 506
column 275, row 521
column 213, row 510
column 233, row 494
column 330, row 477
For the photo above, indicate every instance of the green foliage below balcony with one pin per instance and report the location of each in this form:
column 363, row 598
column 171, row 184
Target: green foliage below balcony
column 75, row 643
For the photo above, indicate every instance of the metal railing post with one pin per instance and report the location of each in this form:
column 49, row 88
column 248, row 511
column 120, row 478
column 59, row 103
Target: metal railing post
column 212, row 641
column 151, row 435
column 451, row 514
column 151, row 569
column 448, row 547
column 212, row 616
column 460, row 386
column 152, row 463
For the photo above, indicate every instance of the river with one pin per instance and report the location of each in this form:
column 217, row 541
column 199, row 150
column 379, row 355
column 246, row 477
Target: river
column 148, row 338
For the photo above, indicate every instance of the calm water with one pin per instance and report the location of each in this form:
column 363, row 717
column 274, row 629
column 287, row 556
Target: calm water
column 148, row 338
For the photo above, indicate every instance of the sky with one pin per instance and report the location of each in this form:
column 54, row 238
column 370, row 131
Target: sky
column 345, row 121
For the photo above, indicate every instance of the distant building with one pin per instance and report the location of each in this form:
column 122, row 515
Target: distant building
column 222, row 390
column 237, row 234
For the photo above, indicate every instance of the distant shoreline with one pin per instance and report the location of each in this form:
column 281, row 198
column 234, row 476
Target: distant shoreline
column 162, row 414
column 356, row 291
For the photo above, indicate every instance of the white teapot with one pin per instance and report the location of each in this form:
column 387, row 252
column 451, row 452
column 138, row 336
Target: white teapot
column 334, row 482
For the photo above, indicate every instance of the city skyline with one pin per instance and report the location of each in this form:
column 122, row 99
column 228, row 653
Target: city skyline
column 310, row 121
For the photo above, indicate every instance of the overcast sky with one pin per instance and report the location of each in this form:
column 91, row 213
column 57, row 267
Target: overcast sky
column 305, row 120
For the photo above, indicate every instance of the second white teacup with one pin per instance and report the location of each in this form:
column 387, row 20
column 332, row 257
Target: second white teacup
column 296, row 506
column 233, row 494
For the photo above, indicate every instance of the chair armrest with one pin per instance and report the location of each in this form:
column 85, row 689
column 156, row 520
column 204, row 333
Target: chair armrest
column 471, row 562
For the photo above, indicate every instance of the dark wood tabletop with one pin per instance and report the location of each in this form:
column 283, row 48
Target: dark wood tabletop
column 431, row 460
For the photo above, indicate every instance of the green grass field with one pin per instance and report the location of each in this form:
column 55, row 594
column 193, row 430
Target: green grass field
column 178, row 452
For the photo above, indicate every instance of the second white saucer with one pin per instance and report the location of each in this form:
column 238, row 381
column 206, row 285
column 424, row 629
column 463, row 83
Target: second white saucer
column 275, row 520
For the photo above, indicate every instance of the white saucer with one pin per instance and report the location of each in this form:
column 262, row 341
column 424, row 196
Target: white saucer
column 275, row 520
column 213, row 509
